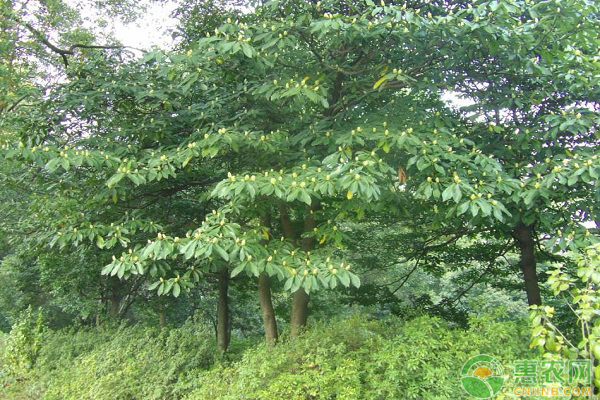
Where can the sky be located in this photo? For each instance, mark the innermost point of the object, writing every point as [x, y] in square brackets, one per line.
[152, 29]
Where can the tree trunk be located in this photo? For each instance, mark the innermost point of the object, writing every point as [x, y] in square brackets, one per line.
[100, 313]
[162, 316]
[223, 335]
[114, 305]
[524, 237]
[299, 312]
[266, 309]
[301, 298]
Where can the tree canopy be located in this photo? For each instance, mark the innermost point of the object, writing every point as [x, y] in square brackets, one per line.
[259, 148]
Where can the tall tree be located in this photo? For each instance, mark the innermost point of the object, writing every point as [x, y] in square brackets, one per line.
[310, 114]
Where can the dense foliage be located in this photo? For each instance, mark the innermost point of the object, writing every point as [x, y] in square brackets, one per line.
[288, 162]
[351, 359]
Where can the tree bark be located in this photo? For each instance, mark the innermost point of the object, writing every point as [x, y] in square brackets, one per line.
[300, 298]
[524, 237]
[223, 334]
[266, 309]
[100, 313]
[114, 305]
[299, 316]
[162, 316]
[264, 294]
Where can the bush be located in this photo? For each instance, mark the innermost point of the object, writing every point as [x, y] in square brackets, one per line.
[129, 363]
[357, 359]
[351, 359]
[20, 348]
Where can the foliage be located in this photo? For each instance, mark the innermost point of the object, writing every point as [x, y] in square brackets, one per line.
[353, 358]
[368, 360]
[312, 143]
[138, 362]
[21, 347]
[578, 289]
[353, 115]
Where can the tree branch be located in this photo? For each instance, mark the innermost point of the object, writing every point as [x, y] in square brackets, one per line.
[487, 269]
[63, 52]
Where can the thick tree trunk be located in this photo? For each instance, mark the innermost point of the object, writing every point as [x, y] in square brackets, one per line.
[223, 332]
[264, 295]
[524, 237]
[266, 309]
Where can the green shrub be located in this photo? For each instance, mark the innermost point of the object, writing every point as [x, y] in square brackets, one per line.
[357, 359]
[134, 363]
[21, 347]
[350, 359]
[128, 363]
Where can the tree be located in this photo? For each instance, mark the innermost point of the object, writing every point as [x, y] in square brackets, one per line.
[38, 41]
[301, 116]
[524, 158]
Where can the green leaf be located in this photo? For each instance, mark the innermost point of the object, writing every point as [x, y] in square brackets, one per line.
[52, 165]
[114, 179]
[288, 283]
[456, 193]
[448, 192]
[188, 249]
[462, 208]
[221, 252]
[304, 196]
[248, 50]
[355, 279]
[486, 208]
[473, 208]
[297, 283]
[121, 270]
[498, 214]
[293, 195]
[237, 270]
[168, 286]
[107, 269]
[344, 278]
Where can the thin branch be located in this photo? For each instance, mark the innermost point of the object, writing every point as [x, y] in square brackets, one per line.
[509, 244]
[11, 108]
[414, 268]
[452, 239]
[64, 52]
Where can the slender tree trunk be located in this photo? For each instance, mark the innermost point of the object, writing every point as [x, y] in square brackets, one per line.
[299, 316]
[162, 316]
[223, 335]
[264, 295]
[114, 304]
[99, 314]
[524, 237]
[300, 298]
[266, 309]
